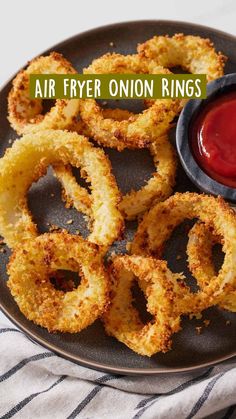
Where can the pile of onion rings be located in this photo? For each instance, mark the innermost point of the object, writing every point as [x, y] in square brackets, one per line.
[168, 297]
[58, 138]
[134, 203]
[158, 224]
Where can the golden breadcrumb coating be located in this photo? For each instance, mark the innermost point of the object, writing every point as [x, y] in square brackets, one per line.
[158, 187]
[28, 159]
[137, 131]
[36, 259]
[158, 224]
[199, 251]
[72, 193]
[134, 203]
[193, 53]
[122, 320]
[32, 265]
[25, 114]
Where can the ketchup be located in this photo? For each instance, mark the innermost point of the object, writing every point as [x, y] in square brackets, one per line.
[213, 139]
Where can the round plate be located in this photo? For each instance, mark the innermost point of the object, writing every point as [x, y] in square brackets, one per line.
[92, 347]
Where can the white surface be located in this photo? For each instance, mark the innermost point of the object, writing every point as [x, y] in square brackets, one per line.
[28, 27]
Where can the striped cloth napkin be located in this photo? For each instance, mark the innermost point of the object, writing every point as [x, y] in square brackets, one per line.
[36, 383]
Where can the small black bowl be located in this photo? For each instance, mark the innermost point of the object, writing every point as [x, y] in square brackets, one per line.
[217, 87]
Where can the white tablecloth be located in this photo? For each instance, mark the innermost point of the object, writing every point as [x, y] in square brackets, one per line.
[35, 383]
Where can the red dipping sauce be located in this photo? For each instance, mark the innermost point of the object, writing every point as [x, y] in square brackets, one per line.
[213, 139]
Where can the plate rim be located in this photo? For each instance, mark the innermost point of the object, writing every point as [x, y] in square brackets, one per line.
[107, 368]
[52, 347]
[113, 25]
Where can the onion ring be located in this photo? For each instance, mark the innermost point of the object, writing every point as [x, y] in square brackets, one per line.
[31, 267]
[122, 320]
[138, 131]
[134, 203]
[34, 153]
[73, 194]
[199, 251]
[193, 53]
[25, 114]
[159, 186]
[158, 224]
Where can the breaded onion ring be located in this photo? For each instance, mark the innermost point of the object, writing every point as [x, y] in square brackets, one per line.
[122, 320]
[108, 113]
[199, 251]
[25, 114]
[134, 203]
[27, 160]
[137, 131]
[193, 53]
[72, 193]
[158, 187]
[158, 224]
[31, 267]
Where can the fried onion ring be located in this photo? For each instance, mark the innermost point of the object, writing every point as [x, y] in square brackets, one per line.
[199, 251]
[25, 114]
[137, 131]
[134, 203]
[122, 320]
[193, 53]
[31, 267]
[73, 194]
[158, 187]
[27, 160]
[158, 224]
[108, 113]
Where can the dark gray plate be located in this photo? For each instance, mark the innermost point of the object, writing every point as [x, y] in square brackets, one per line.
[92, 347]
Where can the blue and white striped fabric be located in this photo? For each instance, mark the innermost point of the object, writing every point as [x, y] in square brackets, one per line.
[35, 383]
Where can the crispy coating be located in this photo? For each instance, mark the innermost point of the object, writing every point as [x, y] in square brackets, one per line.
[193, 53]
[158, 224]
[32, 265]
[25, 114]
[72, 193]
[27, 160]
[199, 251]
[122, 320]
[36, 259]
[108, 113]
[158, 187]
[137, 131]
[134, 203]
